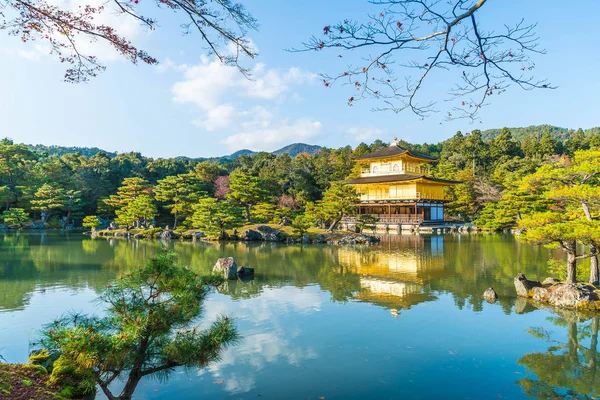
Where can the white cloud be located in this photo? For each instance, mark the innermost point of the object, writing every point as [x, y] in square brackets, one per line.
[364, 134]
[35, 54]
[224, 96]
[206, 83]
[275, 135]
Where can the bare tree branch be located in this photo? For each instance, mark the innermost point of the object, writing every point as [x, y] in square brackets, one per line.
[222, 24]
[410, 40]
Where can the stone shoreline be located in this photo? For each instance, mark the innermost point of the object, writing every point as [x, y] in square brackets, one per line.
[552, 292]
[259, 233]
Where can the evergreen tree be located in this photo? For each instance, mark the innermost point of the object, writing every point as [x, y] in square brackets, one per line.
[339, 201]
[214, 217]
[180, 192]
[149, 328]
[15, 217]
[92, 222]
[48, 198]
[246, 190]
[138, 212]
[129, 190]
[72, 205]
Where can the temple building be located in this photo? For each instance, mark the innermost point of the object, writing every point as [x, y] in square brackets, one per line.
[394, 187]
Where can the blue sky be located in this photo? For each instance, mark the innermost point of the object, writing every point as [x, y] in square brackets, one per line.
[189, 105]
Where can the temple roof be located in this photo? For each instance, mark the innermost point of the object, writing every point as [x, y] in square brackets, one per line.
[396, 178]
[395, 150]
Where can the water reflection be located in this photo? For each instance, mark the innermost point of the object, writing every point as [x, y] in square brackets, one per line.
[321, 314]
[568, 369]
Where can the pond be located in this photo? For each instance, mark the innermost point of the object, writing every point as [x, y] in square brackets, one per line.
[403, 319]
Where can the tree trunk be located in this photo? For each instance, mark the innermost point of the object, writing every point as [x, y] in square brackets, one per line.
[593, 249]
[130, 386]
[333, 225]
[67, 218]
[247, 207]
[594, 266]
[571, 267]
[175, 221]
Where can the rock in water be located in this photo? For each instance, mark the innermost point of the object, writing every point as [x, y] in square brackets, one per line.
[550, 281]
[523, 285]
[226, 267]
[490, 295]
[251, 236]
[165, 235]
[571, 295]
[245, 271]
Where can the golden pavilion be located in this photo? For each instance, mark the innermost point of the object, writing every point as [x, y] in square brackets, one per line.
[393, 186]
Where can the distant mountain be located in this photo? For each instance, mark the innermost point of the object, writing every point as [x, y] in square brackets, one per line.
[298, 148]
[557, 132]
[293, 150]
[62, 150]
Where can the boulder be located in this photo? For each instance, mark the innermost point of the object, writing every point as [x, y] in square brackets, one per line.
[571, 295]
[251, 236]
[198, 235]
[550, 281]
[541, 294]
[358, 239]
[165, 235]
[306, 239]
[523, 285]
[139, 236]
[270, 234]
[245, 271]
[226, 267]
[320, 239]
[490, 295]
[285, 221]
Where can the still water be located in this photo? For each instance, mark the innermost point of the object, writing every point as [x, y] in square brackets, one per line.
[403, 319]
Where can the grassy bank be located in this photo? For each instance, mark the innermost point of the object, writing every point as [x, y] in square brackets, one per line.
[26, 381]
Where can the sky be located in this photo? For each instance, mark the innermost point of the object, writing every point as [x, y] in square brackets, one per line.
[190, 105]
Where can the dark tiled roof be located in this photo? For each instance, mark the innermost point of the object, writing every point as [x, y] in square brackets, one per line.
[394, 151]
[395, 178]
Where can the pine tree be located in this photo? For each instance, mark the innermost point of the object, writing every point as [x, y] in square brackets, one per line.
[47, 199]
[214, 217]
[15, 217]
[180, 192]
[246, 190]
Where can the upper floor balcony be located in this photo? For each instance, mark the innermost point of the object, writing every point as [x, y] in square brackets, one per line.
[392, 170]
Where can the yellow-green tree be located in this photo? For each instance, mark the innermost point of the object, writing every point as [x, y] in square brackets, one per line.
[214, 217]
[573, 185]
[47, 199]
[180, 192]
[15, 217]
[246, 190]
[339, 201]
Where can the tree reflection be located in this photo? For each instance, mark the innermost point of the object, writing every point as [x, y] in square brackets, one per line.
[567, 369]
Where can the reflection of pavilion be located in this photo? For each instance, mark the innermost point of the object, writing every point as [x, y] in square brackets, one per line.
[396, 273]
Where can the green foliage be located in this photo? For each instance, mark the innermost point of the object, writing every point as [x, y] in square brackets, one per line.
[48, 198]
[246, 190]
[180, 192]
[366, 221]
[91, 221]
[15, 217]
[148, 330]
[138, 212]
[300, 225]
[214, 217]
[339, 201]
[74, 379]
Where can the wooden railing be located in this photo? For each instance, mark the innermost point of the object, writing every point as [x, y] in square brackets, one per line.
[391, 219]
[391, 171]
[414, 196]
